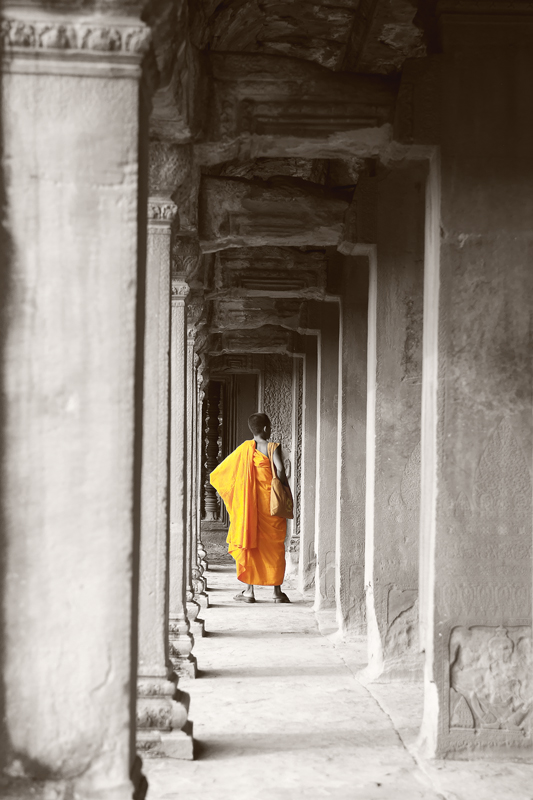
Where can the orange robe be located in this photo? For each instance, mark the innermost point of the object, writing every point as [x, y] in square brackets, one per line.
[255, 539]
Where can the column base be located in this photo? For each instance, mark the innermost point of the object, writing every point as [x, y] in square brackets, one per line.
[167, 744]
[195, 622]
[181, 643]
[163, 727]
[199, 584]
[202, 598]
[202, 556]
[197, 625]
[184, 666]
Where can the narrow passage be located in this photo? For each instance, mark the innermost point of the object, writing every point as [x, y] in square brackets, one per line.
[278, 715]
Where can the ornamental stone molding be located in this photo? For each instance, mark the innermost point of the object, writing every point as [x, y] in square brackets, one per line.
[71, 36]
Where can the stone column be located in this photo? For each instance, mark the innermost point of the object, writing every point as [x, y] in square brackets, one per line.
[72, 271]
[200, 450]
[351, 465]
[162, 726]
[326, 455]
[193, 605]
[393, 441]
[476, 516]
[212, 427]
[198, 577]
[307, 561]
[181, 639]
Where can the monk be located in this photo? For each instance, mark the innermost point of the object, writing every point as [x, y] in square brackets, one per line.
[256, 540]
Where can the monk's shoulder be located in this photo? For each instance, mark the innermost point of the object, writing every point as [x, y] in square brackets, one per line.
[247, 445]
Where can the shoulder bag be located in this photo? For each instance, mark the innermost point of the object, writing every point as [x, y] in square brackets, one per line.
[281, 502]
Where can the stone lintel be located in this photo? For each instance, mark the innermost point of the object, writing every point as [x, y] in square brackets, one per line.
[274, 272]
[268, 339]
[268, 95]
[365, 142]
[237, 213]
[249, 314]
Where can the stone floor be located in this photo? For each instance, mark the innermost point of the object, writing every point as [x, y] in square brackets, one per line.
[280, 714]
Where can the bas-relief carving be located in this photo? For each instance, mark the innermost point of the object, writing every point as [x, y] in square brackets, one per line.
[490, 678]
[277, 400]
[326, 568]
[404, 504]
[186, 256]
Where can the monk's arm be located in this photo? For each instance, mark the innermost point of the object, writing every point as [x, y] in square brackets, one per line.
[280, 469]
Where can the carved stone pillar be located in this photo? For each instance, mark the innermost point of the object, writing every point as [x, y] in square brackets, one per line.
[393, 427]
[350, 561]
[162, 727]
[326, 457]
[477, 390]
[181, 639]
[211, 501]
[200, 466]
[69, 474]
[198, 578]
[307, 560]
[193, 605]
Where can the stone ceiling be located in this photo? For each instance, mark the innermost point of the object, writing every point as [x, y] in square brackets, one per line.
[351, 35]
[268, 113]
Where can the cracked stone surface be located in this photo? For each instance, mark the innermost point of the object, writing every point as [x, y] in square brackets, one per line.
[280, 714]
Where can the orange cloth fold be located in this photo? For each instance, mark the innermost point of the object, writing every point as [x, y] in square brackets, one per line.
[255, 539]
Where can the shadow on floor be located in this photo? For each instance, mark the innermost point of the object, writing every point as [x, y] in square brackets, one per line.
[259, 634]
[248, 672]
[253, 744]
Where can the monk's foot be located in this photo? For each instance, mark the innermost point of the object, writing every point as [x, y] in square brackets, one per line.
[245, 597]
[280, 597]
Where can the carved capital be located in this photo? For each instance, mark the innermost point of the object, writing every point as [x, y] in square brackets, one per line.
[74, 36]
[161, 212]
[180, 289]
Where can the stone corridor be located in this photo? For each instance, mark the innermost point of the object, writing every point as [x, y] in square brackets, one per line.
[282, 713]
[319, 210]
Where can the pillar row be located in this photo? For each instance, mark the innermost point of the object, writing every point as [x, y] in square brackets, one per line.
[181, 639]
[162, 710]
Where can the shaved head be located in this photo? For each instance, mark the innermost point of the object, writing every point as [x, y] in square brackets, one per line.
[258, 422]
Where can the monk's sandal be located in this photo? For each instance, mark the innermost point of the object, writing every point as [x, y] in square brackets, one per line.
[241, 597]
